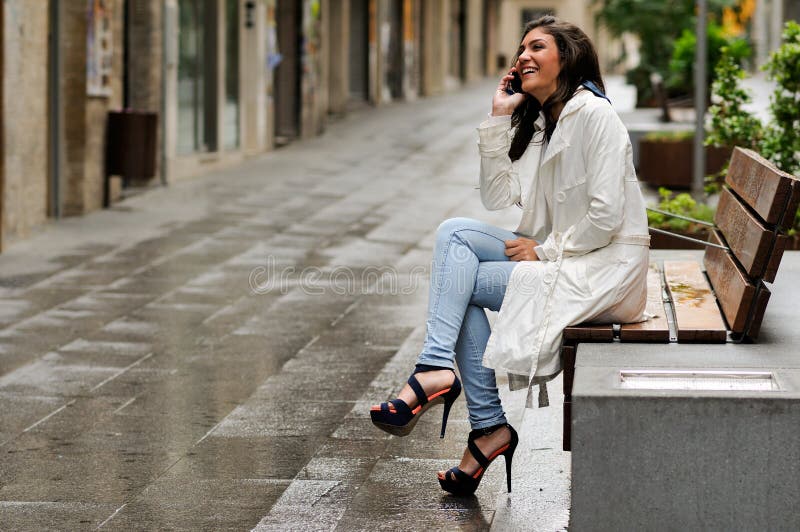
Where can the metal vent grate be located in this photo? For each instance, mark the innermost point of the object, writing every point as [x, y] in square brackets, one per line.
[699, 380]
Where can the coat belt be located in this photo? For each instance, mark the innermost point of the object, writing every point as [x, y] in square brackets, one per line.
[636, 240]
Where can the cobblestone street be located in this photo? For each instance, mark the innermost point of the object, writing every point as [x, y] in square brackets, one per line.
[202, 357]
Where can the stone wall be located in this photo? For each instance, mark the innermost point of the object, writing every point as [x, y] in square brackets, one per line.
[85, 116]
[25, 187]
[145, 61]
[144, 56]
[434, 47]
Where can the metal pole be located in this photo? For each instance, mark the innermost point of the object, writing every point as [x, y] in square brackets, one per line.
[700, 97]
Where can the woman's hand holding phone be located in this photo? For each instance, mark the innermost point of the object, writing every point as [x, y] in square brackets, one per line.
[508, 94]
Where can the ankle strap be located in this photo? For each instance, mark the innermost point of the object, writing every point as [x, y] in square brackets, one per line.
[422, 399]
[422, 368]
[477, 454]
[485, 431]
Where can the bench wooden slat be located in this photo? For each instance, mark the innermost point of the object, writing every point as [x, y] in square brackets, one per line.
[781, 243]
[733, 288]
[771, 193]
[568, 362]
[749, 240]
[758, 313]
[590, 333]
[697, 317]
[655, 329]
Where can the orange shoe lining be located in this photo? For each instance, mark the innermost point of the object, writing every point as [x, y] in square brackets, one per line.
[494, 455]
[416, 409]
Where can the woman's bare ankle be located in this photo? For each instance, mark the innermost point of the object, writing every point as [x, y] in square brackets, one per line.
[488, 445]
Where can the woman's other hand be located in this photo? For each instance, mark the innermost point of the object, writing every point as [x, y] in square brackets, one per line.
[521, 249]
[503, 104]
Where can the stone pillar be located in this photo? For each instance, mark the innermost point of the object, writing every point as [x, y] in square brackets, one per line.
[434, 46]
[776, 25]
[253, 76]
[169, 74]
[219, 73]
[271, 41]
[145, 45]
[492, 36]
[475, 44]
[313, 83]
[338, 29]
[375, 65]
[85, 116]
[24, 159]
[411, 48]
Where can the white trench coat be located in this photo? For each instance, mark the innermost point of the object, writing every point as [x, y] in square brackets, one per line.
[581, 201]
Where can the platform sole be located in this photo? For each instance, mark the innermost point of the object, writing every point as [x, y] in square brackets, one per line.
[405, 430]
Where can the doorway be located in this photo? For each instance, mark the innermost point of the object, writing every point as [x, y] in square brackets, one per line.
[197, 76]
[359, 51]
[287, 74]
[395, 57]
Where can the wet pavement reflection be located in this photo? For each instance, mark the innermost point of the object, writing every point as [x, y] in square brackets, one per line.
[150, 383]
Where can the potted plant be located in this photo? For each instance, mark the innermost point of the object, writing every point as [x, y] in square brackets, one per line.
[676, 149]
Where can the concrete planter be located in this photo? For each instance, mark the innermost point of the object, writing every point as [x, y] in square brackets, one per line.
[668, 163]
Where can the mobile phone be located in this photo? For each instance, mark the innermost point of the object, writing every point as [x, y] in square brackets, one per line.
[515, 85]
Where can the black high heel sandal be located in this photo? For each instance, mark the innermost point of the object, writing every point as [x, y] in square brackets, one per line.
[397, 418]
[457, 482]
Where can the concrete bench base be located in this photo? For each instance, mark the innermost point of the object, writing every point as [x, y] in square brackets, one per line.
[684, 461]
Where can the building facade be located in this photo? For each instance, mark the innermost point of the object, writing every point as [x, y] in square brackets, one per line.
[222, 80]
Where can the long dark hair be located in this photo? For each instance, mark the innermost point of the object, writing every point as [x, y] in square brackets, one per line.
[579, 63]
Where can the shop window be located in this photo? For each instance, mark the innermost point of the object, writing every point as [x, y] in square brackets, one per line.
[197, 131]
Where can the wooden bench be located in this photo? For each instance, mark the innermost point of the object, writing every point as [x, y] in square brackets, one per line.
[724, 298]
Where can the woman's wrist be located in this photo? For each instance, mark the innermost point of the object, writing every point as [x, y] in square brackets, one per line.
[501, 112]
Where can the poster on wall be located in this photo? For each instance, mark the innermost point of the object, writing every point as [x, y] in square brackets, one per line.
[274, 56]
[99, 48]
[310, 50]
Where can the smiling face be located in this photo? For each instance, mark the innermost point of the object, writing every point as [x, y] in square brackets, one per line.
[538, 64]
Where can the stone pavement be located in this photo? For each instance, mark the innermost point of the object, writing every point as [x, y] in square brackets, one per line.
[203, 356]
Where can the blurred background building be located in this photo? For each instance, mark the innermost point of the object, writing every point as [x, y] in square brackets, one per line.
[161, 90]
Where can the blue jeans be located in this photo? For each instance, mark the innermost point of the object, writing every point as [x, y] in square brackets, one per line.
[470, 272]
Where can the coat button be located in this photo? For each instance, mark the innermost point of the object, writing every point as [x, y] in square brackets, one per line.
[561, 196]
[548, 278]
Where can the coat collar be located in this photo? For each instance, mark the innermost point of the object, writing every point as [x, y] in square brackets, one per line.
[559, 142]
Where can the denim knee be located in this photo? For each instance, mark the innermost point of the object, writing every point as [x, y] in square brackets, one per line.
[452, 225]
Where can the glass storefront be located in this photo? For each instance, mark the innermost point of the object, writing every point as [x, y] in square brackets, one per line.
[191, 73]
[198, 75]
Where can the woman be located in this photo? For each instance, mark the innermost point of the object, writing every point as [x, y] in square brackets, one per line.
[558, 150]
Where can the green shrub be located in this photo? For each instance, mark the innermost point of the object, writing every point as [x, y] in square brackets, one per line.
[682, 204]
[781, 143]
[731, 125]
[657, 24]
[681, 66]
[669, 136]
